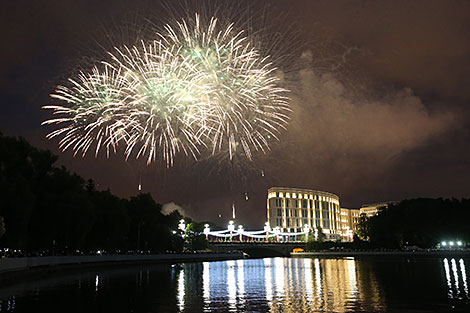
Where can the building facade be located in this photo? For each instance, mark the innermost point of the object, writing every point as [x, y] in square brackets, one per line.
[373, 209]
[349, 220]
[291, 209]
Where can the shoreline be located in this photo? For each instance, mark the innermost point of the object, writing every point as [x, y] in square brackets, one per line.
[10, 267]
[424, 253]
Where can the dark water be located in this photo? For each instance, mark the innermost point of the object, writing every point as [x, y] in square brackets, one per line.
[261, 285]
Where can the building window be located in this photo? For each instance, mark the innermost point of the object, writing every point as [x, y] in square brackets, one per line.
[304, 203]
[279, 212]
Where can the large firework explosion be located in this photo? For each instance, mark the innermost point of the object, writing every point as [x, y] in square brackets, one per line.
[200, 84]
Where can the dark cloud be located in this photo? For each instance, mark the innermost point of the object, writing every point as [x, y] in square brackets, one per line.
[380, 103]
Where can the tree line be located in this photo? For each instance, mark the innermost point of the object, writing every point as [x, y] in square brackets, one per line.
[44, 207]
[420, 222]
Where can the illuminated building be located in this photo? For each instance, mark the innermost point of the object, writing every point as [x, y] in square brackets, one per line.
[373, 209]
[349, 220]
[291, 209]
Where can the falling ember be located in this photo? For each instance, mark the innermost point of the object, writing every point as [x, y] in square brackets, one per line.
[233, 210]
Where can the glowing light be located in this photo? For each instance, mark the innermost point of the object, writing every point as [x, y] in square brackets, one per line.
[267, 228]
[241, 281]
[182, 225]
[351, 263]
[240, 231]
[318, 283]
[307, 268]
[231, 286]
[268, 281]
[206, 293]
[201, 84]
[97, 281]
[181, 291]
[279, 276]
[450, 292]
[456, 275]
[464, 276]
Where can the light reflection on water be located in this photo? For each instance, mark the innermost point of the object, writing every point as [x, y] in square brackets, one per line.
[453, 281]
[258, 285]
[206, 294]
[181, 291]
[279, 285]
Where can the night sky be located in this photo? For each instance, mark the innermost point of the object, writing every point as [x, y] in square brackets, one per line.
[380, 103]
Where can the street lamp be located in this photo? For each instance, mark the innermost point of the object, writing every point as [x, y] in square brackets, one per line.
[306, 231]
[231, 228]
[240, 231]
[276, 232]
[182, 227]
[207, 230]
[267, 229]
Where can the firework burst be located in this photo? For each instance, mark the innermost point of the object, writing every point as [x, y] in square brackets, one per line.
[199, 84]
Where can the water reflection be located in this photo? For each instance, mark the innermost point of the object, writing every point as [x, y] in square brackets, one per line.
[206, 293]
[180, 290]
[259, 285]
[268, 280]
[8, 305]
[97, 281]
[288, 285]
[231, 286]
[464, 277]
[308, 280]
[241, 281]
[453, 281]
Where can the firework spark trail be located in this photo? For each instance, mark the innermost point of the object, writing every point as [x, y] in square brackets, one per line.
[100, 96]
[162, 113]
[197, 85]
